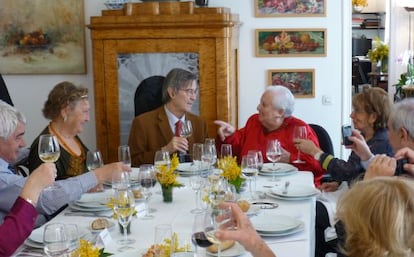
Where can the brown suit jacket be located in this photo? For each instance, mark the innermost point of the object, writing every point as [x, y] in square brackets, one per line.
[150, 131]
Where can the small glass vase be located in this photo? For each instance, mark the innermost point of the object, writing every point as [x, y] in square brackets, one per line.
[167, 194]
[121, 228]
[384, 65]
[357, 8]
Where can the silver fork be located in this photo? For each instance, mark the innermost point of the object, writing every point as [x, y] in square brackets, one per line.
[285, 190]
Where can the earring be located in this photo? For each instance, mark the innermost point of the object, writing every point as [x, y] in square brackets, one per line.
[65, 118]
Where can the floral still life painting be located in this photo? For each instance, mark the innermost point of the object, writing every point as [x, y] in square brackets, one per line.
[290, 8]
[300, 82]
[42, 37]
[289, 43]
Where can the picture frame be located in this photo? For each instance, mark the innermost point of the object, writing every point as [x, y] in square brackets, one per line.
[42, 37]
[301, 82]
[309, 42]
[290, 8]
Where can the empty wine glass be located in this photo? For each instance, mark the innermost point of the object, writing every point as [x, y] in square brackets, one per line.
[198, 150]
[249, 169]
[55, 240]
[197, 182]
[299, 132]
[94, 160]
[121, 179]
[226, 150]
[147, 179]
[124, 207]
[49, 151]
[215, 219]
[209, 155]
[72, 234]
[273, 154]
[186, 129]
[124, 155]
[162, 158]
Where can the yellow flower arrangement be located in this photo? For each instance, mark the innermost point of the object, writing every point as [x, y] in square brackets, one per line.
[164, 249]
[166, 175]
[87, 249]
[379, 52]
[231, 171]
[359, 2]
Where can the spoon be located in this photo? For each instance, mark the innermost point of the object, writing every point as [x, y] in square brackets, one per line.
[285, 191]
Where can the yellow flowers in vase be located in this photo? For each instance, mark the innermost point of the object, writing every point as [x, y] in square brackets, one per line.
[231, 171]
[379, 53]
[168, 178]
[359, 3]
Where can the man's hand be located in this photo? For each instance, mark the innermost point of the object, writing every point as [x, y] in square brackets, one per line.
[224, 130]
[177, 144]
[406, 153]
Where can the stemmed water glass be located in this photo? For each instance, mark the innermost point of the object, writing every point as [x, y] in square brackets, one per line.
[249, 169]
[226, 150]
[55, 240]
[215, 219]
[299, 132]
[93, 160]
[197, 183]
[124, 155]
[147, 179]
[209, 154]
[124, 207]
[120, 180]
[273, 154]
[199, 238]
[49, 151]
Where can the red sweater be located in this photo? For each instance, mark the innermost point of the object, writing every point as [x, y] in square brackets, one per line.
[254, 137]
[17, 226]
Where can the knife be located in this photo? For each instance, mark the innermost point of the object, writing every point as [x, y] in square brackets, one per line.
[88, 214]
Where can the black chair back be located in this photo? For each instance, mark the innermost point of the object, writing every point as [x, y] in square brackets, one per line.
[148, 95]
[4, 92]
[325, 141]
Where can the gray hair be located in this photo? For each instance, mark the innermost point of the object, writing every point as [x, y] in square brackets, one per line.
[282, 99]
[402, 116]
[176, 79]
[9, 119]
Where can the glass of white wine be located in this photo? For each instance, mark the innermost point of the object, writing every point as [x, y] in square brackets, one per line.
[49, 150]
[186, 129]
[217, 219]
[124, 207]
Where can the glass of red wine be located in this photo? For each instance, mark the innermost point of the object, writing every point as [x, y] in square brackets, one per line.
[147, 179]
[199, 238]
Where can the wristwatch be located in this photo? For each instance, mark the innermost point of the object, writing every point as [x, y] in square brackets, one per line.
[317, 155]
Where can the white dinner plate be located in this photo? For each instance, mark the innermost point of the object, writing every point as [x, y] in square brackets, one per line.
[37, 234]
[76, 207]
[274, 223]
[189, 167]
[33, 244]
[278, 168]
[236, 250]
[278, 174]
[295, 190]
[269, 194]
[298, 229]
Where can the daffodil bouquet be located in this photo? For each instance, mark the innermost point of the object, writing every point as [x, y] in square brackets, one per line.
[231, 171]
[87, 249]
[379, 52]
[166, 174]
[360, 2]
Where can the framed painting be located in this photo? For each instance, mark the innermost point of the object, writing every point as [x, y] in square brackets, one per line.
[301, 82]
[290, 8]
[42, 37]
[290, 42]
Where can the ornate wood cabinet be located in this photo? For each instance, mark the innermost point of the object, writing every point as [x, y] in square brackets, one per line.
[165, 27]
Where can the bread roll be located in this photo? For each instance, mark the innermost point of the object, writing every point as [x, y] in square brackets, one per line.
[244, 205]
[224, 245]
[99, 224]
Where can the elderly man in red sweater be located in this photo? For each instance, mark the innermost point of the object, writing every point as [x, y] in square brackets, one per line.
[274, 120]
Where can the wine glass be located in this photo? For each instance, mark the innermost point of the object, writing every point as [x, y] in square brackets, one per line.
[218, 191]
[186, 129]
[199, 238]
[94, 160]
[162, 158]
[197, 182]
[273, 154]
[49, 151]
[121, 180]
[124, 207]
[72, 234]
[259, 157]
[249, 169]
[215, 219]
[209, 155]
[147, 179]
[299, 132]
[198, 150]
[55, 240]
[124, 155]
[226, 150]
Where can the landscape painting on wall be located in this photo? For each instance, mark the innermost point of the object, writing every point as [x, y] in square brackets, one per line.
[301, 82]
[289, 8]
[290, 42]
[42, 37]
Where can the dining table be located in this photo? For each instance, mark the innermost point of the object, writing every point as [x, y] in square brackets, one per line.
[178, 214]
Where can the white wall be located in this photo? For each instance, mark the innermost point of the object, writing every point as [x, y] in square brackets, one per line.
[332, 72]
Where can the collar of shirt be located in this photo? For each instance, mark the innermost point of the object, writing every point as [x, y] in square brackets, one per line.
[4, 167]
[172, 119]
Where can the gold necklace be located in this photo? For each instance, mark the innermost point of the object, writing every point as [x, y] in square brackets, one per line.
[60, 139]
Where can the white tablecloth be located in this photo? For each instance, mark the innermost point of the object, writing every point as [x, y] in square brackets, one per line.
[178, 215]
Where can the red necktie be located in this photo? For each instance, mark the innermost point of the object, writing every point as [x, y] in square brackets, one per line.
[178, 127]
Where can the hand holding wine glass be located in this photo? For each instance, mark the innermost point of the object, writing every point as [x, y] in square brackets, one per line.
[49, 150]
[299, 132]
[186, 129]
[217, 219]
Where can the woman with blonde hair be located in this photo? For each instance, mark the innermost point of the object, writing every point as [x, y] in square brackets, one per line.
[378, 217]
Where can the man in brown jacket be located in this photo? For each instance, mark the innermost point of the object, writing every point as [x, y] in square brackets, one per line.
[156, 130]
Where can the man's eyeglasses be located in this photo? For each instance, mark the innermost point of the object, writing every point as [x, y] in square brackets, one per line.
[190, 91]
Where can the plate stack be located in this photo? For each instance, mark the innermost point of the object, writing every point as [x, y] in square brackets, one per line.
[276, 225]
[189, 169]
[35, 239]
[278, 169]
[295, 192]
